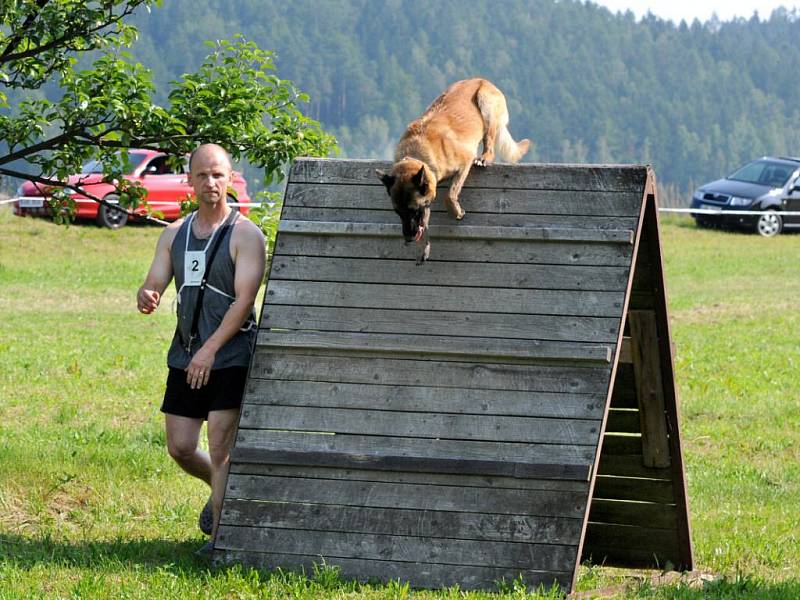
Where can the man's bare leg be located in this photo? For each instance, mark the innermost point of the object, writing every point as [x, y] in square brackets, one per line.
[183, 433]
[221, 433]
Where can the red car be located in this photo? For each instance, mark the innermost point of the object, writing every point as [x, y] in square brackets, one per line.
[166, 188]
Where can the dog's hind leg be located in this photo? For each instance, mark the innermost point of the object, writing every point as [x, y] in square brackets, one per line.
[493, 110]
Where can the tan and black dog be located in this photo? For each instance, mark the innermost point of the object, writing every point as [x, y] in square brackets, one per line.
[443, 143]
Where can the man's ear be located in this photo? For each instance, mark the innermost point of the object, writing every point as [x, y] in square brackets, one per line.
[387, 180]
[420, 181]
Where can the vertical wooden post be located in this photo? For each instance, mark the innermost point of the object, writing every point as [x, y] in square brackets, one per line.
[649, 387]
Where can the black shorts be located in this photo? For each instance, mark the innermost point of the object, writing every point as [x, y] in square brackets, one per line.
[224, 390]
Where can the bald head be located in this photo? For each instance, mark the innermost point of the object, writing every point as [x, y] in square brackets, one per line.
[210, 174]
[210, 151]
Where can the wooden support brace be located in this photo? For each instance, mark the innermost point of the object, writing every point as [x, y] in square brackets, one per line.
[649, 388]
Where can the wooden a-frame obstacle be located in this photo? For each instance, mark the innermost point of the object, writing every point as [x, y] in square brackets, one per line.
[507, 409]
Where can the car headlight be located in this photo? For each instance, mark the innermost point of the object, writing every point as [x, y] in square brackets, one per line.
[20, 190]
[698, 195]
[739, 201]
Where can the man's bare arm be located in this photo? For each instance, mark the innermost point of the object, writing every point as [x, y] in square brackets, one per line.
[158, 277]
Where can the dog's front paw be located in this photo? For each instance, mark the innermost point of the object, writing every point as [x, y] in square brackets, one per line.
[479, 162]
[426, 253]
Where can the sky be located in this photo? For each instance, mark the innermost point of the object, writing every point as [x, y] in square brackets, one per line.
[676, 10]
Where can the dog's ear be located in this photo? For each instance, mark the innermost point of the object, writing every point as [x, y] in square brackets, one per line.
[386, 179]
[421, 182]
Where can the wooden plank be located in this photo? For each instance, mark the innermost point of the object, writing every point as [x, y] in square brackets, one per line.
[452, 274]
[344, 369]
[438, 323]
[623, 465]
[649, 388]
[454, 498]
[472, 299]
[625, 355]
[322, 474]
[624, 393]
[527, 251]
[421, 425]
[642, 300]
[388, 460]
[545, 557]
[509, 459]
[639, 514]
[435, 347]
[597, 203]
[423, 399]
[417, 574]
[614, 443]
[614, 555]
[643, 277]
[617, 555]
[405, 522]
[620, 178]
[437, 220]
[631, 489]
[554, 230]
[623, 421]
[633, 538]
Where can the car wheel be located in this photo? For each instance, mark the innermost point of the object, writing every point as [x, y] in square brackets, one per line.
[769, 224]
[108, 216]
[703, 224]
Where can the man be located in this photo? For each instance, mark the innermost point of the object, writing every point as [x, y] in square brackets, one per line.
[217, 259]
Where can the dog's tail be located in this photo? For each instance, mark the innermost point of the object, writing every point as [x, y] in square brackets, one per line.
[510, 150]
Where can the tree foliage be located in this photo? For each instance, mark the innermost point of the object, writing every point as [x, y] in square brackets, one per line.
[695, 99]
[234, 98]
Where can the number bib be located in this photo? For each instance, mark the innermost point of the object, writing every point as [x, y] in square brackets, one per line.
[194, 267]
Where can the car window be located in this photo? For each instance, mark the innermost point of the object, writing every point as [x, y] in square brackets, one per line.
[763, 172]
[159, 166]
[95, 166]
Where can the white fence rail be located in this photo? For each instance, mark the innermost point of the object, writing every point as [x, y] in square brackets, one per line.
[690, 211]
[716, 211]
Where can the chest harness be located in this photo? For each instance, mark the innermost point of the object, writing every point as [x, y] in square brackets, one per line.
[196, 271]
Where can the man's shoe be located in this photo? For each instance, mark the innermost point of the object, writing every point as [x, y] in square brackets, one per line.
[206, 519]
[205, 550]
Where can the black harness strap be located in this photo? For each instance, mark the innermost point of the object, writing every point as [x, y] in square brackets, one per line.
[201, 292]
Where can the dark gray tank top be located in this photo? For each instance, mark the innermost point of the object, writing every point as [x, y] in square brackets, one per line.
[217, 298]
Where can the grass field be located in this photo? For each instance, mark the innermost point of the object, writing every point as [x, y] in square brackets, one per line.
[91, 506]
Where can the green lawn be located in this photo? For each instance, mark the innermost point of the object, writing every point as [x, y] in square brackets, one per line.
[91, 506]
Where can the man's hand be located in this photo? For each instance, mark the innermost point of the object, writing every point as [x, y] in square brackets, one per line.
[147, 300]
[199, 369]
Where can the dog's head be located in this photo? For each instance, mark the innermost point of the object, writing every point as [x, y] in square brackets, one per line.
[412, 188]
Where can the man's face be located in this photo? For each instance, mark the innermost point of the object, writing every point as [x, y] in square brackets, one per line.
[210, 176]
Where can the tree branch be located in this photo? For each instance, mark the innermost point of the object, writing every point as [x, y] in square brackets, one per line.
[14, 39]
[80, 189]
[64, 40]
[45, 145]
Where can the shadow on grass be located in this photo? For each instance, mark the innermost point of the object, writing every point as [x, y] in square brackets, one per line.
[179, 557]
[150, 554]
[173, 557]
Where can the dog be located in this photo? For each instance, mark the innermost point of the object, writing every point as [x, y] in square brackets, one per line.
[443, 143]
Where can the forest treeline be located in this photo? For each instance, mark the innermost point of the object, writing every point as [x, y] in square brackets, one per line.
[586, 85]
